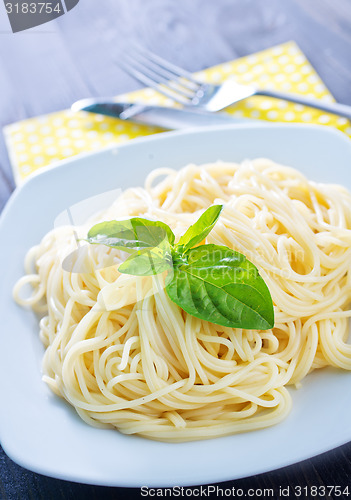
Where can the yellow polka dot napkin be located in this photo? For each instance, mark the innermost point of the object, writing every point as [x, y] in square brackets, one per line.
[37, 142]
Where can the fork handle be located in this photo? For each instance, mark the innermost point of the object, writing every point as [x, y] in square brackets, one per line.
[335, 108]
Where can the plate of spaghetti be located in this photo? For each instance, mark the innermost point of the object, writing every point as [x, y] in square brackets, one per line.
[175, 311]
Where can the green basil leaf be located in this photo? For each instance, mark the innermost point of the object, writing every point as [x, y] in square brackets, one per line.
[149, 261]
[200, 229]
[220, 285]
[130, 235]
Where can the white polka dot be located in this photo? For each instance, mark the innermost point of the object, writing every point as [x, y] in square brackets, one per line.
[124, 137]
[42, 119]
[89, 124]
[252, 59]
[96, 144]
[135, 128]
[33, 138]
[73, 123]
[38, 160]
[76, 133]
[348, 130]
[35, 149]
[282, 104]
[84, 114]
[103, 126]
[267, 59]
[20, 146]
[227, 68]
[201, 75]
[45, 130]
[273, 68]
[30, 128]
[26, 169]
[290, 68]
[99, 118]
[247, 77]
[23, 157]
[51, 151]
[258, 68]
[120, 126]
[293, 50]
[108, 136]
[324, 119]
[18, 137]
[313, 79]
[286, 86]
[64, 142]
[69, 113]
[298, 107]
[272, 115]
[279, 78]
[289, 116]
[216, 76]
[266, 104]
[303, 87]
[67, 152]
[238, 113]
[92, 133]
[249, 104]
[57, 122]
[327, 98]
[300, 59]
[277, 50]
[263, 78]
[341, 121]
[80, 143]
[283, 59]
[306, 69]
[295, 77]
[306, 117]
[48, 140]
[255, 113]
[319, 88]
[61, 132]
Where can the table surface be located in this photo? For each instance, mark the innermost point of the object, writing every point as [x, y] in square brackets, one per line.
[47, 68]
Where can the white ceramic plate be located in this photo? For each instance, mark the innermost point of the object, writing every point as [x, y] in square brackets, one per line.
[43, 433]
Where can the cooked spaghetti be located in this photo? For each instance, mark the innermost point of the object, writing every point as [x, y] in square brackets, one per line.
[124, 355]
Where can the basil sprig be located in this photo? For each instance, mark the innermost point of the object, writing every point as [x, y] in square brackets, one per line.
[211, 282]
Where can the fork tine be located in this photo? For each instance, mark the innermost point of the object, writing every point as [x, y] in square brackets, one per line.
[174, 69]
[156, 78]
[159, 65]
[129, 67]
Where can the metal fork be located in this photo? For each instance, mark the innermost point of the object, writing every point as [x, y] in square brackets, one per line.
[181, 86]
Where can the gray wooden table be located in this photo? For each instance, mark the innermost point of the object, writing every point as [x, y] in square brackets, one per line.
[76, 56]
